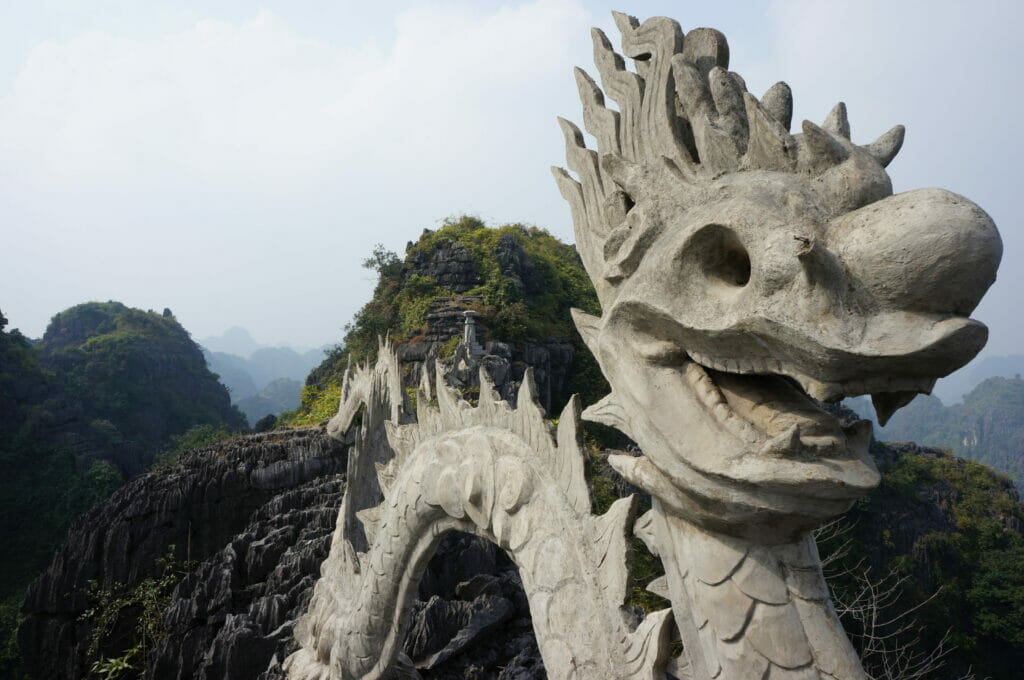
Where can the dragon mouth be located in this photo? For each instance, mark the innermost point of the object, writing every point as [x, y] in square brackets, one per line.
[774, 413]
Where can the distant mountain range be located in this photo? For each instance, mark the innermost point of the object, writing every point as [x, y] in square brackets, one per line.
[988, 426]
[952, 389]
[262, 380]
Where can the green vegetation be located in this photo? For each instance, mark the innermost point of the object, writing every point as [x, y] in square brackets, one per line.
[104, 391]
[317, 405]
[143, 605]
[196, 437]
[511, 311]
[962, 570]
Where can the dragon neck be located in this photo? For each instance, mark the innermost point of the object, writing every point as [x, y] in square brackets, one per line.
[751, 610]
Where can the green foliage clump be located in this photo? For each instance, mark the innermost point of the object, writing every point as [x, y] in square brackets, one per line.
[447, 350]
[316, 405]
[513, 315]
[196, 437]
[143, 605]
[403, 295]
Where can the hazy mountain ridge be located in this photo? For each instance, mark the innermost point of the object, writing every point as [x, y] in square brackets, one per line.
[261, 380]
[952, 389]
[988, 426]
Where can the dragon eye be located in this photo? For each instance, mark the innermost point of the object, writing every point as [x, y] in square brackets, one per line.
[718, 253]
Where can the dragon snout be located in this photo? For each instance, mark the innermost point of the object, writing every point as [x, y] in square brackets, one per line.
[928, 251]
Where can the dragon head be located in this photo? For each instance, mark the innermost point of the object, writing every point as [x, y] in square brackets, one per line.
[746, 274]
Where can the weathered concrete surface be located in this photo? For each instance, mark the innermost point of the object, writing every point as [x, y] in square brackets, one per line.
[742, 268]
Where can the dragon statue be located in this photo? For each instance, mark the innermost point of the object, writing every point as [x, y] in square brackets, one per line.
[745, 274]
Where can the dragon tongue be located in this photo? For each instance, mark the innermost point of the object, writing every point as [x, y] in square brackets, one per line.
[887, 403]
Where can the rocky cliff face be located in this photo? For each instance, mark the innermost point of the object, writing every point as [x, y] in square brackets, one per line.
[199, 507]
[257, 514]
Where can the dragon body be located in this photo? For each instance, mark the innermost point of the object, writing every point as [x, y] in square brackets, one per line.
[745, 274]
[495, 472]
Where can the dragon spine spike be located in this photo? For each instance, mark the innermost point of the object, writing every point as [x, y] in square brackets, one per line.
[649, 647]
[488, 392]
[611, 538]
[608, 412]
[589, 327]
[643, 529]
[370, 517]
[569, 459]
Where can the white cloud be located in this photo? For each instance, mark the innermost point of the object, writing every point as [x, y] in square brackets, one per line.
[246, 151]
[257, 103]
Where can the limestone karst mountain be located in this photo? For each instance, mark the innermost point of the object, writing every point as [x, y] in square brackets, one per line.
[89, 405]
[519, 281]
[988, 426]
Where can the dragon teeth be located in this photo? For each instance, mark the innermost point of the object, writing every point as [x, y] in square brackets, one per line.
[784, 444]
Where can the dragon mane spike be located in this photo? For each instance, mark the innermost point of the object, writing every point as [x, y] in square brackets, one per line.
[836, 122]
[624, 87]
[778, 101]
[820, 149]
[885, 148]
[599, 120]
[706, 48]
[728, 97]
[770, 147]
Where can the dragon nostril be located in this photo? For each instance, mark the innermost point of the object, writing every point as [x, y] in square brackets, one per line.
[732, 266]
[718, 255]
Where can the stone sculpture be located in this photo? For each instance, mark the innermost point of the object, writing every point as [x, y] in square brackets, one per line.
[744, 272]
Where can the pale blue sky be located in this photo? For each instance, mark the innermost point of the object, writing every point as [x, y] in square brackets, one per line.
[235, 161]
